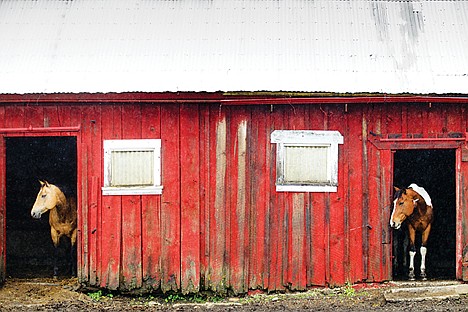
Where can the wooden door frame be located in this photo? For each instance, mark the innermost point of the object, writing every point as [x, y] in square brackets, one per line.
[35, 132]
[459, 144]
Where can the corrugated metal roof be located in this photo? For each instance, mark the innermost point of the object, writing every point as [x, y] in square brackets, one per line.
[54, 46]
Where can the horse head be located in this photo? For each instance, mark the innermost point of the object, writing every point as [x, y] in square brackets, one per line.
[404, 204]
[46, 200]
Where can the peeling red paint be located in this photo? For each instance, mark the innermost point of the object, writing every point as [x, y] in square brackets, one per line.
[220, 224]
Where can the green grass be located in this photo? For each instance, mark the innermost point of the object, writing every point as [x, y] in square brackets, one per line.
[192, 298]
[349, 291]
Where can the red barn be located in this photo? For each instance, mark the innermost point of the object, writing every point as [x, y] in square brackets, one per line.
[233, 145]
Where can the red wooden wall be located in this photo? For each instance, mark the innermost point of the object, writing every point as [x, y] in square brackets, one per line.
[219, 223]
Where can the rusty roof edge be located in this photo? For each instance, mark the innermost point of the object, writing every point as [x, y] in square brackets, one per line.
[231, 98]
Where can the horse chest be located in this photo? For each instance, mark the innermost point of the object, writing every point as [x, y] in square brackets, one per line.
[62, 228]
[420, 222]
[418, 225]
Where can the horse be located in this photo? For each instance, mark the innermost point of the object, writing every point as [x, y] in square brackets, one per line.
[414, 206]
[62, 218]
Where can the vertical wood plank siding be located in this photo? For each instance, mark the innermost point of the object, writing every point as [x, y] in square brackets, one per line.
[219, 223]
[2, 199]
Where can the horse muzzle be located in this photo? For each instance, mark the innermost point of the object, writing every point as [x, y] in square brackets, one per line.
[395, 225]
[36, 215]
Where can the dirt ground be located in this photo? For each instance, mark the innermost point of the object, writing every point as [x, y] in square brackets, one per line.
[43, 294]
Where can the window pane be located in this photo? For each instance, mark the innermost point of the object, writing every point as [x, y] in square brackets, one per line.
[132, 168]
[306, 164]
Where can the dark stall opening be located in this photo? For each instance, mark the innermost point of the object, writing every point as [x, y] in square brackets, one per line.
[29, 248]
[435, 171]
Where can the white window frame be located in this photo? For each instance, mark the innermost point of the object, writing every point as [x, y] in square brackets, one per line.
[285, 138]
[132, 145]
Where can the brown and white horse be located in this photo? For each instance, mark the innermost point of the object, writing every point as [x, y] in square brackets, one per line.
[414, 206]
[62, 218]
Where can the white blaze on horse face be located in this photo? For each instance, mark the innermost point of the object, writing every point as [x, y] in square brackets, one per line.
[392, 223]
[393, 211]
[44, 202]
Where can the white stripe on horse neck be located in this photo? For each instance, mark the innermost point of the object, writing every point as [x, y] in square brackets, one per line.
[421, 191]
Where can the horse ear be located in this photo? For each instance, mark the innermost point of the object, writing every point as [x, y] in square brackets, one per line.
[399, 189]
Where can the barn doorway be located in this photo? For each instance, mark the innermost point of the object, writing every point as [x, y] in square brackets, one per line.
[433, 169]
[29, 249]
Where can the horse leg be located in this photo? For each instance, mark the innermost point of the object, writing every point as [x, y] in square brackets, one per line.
[405, 247]
[423, 263]
[400, 251]
[71, 259]
[395, 249]
[425, 237]
[55, 239]
[412, 252]
[411, 275]
[73, 253]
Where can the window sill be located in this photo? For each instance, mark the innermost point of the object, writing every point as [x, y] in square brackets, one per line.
[306, 188]
[151, 190]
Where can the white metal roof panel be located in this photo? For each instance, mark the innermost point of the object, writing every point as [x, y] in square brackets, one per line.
[388, 46]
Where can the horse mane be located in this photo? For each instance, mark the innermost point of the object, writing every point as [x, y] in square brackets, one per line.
[399, 193]
[421, 192]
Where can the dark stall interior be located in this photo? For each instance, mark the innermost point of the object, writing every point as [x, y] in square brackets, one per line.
[435, 171]
[29, 159]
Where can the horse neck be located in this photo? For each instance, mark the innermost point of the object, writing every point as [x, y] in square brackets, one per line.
[421, 206]
[61, 207]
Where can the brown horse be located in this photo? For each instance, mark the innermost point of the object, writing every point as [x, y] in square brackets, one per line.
[414, 205]
[62, 218]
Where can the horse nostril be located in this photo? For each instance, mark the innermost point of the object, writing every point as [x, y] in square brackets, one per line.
[395, 225]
